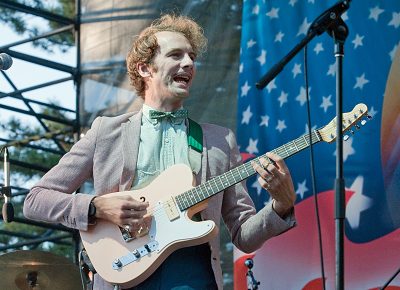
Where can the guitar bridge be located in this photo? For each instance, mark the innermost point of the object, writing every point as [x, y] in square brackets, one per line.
[135, 255]
[128, 236]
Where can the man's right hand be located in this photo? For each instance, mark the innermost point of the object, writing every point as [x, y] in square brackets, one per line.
[122, 210]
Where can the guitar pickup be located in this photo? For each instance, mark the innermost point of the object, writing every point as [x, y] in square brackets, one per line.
[135, 255]
[171, 209]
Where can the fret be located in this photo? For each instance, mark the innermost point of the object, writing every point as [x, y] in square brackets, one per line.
[215, 183]
[208, 188]
[300, 143]
[189, 196]
[202, 188]
[305, 140]
[178, 201]
[196, 196]
[235, 175]
[295, 145]
[287, 152]
[224, 184]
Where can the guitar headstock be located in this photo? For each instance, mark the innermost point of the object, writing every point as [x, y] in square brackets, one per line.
[328, 133]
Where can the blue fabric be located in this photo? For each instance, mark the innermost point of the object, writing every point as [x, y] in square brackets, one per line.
[185, 269]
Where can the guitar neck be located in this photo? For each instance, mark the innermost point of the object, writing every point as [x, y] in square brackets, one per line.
[219, 183]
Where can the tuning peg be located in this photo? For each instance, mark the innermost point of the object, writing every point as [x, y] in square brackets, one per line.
[352, 132]
[369, 117]
[357, 126]
[346, 137]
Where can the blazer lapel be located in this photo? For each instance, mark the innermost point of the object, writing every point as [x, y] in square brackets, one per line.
[130, 149]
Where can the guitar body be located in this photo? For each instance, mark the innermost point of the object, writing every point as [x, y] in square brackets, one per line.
[128, 262]
[104, 242]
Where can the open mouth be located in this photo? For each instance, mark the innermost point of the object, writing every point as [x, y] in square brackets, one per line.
[182, 78]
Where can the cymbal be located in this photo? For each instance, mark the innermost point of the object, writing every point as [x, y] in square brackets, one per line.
[37, 270]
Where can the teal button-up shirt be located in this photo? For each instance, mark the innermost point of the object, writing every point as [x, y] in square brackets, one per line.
[162, 144]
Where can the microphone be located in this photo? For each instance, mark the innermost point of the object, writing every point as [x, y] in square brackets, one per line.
[8, 209]
[5, 61]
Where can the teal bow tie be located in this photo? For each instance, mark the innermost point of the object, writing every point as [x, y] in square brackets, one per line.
[179, 114]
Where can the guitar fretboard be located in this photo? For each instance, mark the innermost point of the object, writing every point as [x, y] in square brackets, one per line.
[217, 184]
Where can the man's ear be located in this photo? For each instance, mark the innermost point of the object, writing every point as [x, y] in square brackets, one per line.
[143, 69]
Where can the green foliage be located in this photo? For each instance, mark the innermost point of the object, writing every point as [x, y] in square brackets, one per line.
[15, 129]
[21, 24]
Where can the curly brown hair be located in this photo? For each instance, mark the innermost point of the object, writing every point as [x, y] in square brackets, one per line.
[145, 45]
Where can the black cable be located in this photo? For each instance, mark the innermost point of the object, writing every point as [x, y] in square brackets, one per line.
[390, 280]
[312, 170]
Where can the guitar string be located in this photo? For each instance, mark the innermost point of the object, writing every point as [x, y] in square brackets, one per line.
[154, 212]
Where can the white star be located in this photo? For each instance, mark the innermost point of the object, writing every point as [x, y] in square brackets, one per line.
[331, 70]
[357, 203]
[282, 98]
[279, 36]
[326, 103]
[303, 27]
[306, 132]
[372, 112]
[292, 2]
[264, 121]
[257, 185]
[273, 13]
[393, 51]
[301, 189]
[245, 89]
[375, 12]
[360, 82]
[318, 48]
[251, 43]
[252, 148]
[296, 69]
[345, 17]
[395, 20]
[281, 126]
[241, 67]
[246, 115]
[256, 10]
[302, 98]
[347, 149]
[358, 41]
[271, 86]
[262, 57]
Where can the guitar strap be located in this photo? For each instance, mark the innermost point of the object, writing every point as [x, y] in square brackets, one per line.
[195, 142]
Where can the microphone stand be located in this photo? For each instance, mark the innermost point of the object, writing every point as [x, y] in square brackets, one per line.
[252, 283]
[8, 210]
[331, 22]
[339, 33]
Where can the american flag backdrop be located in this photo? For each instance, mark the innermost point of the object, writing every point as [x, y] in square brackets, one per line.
[277, 115]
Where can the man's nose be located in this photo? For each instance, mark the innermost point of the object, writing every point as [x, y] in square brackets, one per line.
[187, 61]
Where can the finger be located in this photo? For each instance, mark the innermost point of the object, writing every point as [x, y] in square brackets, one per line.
[261, 171]
[279, 162]
[135, 205]
[136, 214]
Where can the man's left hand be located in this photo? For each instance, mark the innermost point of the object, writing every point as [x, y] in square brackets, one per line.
[274, 176]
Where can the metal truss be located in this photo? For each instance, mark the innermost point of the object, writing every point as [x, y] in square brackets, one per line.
[52, 233]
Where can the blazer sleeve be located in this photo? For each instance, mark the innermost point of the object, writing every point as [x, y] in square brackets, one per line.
[249, 230]
[53, 198]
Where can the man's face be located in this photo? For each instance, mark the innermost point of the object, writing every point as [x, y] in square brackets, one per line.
[172, 69]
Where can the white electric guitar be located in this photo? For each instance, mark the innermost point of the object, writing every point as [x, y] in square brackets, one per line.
[127, 260]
